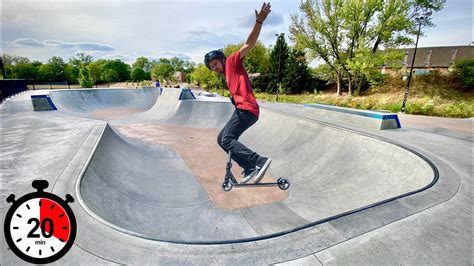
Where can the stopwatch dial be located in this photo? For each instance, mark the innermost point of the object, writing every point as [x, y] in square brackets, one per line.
[40, 227]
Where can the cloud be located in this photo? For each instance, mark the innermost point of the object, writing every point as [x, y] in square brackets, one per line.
[84, 46]
[123, 57]
[89, 46]
[273, 19]
[58, 44]
[171, 54]
[28, 42]
[203, 38]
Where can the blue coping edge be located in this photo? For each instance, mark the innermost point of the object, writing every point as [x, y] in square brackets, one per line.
[47, 98]
[355, 112]
[183, 91]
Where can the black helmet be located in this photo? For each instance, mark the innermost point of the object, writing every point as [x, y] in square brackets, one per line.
[213, 55]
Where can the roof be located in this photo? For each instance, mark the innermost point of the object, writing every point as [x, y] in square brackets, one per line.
[438, 56]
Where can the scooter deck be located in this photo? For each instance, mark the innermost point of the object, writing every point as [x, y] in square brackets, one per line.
[255, 184]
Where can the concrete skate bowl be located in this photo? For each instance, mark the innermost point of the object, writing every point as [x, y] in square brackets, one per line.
[152, 190]
[104, 104]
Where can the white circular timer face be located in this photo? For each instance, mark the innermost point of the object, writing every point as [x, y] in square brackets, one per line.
[40, 228]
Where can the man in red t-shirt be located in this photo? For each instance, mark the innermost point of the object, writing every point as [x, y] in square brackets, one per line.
[246, 107]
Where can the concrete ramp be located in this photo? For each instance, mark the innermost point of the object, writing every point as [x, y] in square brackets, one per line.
[149, 179]
[165, 106]
[105, 104]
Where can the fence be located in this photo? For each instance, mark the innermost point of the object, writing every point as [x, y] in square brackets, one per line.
[11, 87]
[55, 85]
[32, 84]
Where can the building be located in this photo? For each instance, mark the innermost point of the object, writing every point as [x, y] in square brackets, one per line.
[428, 59]
[180, 76]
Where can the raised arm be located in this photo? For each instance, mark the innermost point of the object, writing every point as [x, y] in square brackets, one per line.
[253, 37]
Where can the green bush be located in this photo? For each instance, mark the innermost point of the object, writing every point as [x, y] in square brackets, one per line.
[414, 108]
[427, 108]
[461, 110]
[393, 107]
[465, 71]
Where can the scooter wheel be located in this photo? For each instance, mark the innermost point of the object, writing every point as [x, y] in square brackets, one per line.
[283, 183]
[227, 186]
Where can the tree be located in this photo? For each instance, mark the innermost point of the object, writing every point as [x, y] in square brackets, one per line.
[138, 75]
[109, 75]
[95, 70]
[57, 65]
[82, 59]
[73, 69]
[201, 75]
[45, 73]
[465, 71]
[206, 79]
[318, 31]
[278, 58]
[188, 69]
[177, 63]
[84, 80]
[417, 6]
[163, 70]
[349, 34]
[122, 69]
[11, 60]
[72, 73]
[8, 71]
[144, 64]
[25, 71]
[297, 77]
[2, 67]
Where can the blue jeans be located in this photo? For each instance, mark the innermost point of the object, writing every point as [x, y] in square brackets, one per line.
[240, 121]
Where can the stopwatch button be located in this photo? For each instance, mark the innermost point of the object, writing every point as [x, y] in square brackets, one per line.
[40, 185]
[11, 198]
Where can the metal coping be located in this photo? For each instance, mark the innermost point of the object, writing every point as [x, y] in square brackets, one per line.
[273, 235]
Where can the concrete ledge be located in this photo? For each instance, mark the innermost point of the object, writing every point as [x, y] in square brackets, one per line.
[365, 118]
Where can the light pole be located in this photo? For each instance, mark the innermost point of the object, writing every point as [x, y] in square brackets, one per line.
[419, 18]
[279, 63]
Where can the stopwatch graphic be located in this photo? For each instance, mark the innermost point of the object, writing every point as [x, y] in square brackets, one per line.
[40, 227]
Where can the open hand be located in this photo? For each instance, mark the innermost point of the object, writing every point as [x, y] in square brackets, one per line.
[262, 15]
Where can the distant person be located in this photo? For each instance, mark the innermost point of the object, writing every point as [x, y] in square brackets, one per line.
[157, 84]
[246, 107]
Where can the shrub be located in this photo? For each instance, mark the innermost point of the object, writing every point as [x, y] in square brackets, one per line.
[465, 71]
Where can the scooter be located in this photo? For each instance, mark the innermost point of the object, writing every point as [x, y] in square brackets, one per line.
[230, 181]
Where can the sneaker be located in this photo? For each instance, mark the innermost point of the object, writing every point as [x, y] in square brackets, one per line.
[247, 174]
[261, 168]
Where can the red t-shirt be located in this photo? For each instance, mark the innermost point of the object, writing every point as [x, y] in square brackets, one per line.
[238, 84]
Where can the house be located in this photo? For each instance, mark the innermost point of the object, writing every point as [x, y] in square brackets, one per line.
[428, 59]
[180, 76]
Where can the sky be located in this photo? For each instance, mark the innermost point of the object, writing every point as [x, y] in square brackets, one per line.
[127, 29]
